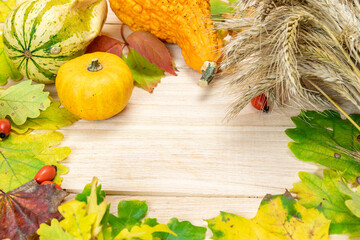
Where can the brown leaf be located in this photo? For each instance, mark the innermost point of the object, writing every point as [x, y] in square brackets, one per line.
[104, 43]
[152, 49]
[23, 209]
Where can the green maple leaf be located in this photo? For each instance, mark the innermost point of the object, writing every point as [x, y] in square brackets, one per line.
[146, 75]
[23, 101]
[23, 155]
[51, 118]
[6, 6]
[327, 195]
[279, 218]
[7, 68]
[326, 139]
[129, 214]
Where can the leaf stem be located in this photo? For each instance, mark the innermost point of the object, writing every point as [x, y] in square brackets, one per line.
[337, 106]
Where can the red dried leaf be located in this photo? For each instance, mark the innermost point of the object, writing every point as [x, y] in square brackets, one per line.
[23, 209]
[104, 43]
[152, 49]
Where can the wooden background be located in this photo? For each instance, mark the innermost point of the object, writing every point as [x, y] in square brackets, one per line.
[173, 149]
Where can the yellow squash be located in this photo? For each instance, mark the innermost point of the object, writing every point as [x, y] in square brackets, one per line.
[94, 86]
[184, 22]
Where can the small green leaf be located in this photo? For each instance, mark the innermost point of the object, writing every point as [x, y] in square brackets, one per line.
[325, 138]
[86, 193]
[183, 230]
[326, 195]
[218, 7]
[54, 231]
[7, 69]
[129, 214]
[23, 155]
[51, 118]
[23, 101]
[145, 74]
[142, 232]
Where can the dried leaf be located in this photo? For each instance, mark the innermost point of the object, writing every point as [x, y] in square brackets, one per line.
[326, 195]
[23, 209]
[52, 118]
[325, 138]
[279, 217]
[104, 43]
[152, 49]
[23, 101]
[23, 155]
[7, 68]
[145, 74]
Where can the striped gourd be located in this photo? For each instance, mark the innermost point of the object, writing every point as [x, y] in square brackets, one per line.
[41, 35]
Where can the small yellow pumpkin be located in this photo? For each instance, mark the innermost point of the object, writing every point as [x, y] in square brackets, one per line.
[94, 86]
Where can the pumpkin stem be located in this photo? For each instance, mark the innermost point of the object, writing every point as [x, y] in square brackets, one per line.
[208, 70]
[95, 66]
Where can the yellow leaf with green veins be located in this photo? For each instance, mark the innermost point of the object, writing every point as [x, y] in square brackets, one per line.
[142, 232]
[22, 156]
[279, 218]
[77, 222]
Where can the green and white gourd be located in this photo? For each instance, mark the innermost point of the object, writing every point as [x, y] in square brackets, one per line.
[41, 35]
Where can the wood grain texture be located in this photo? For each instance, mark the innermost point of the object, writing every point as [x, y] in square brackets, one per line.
[173, 149]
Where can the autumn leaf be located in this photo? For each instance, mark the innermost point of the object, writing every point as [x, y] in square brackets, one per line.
[328, 197]
[183, 230]
[6, 6]
[104, 43]
[129, 214]
[54, 231]
[23, 155]
[100, 195]
[145, 74]
[154, 50]
[7, 69]
[23, 209]
[279, 217]
[325, 138]
[143, 232]
[51, 118]
[218, 7]
[23, 101]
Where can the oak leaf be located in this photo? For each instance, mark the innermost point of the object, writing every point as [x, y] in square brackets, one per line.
[52, 118]
[21, 156]
[279, 217]
[23, 209]
[330, 199]
[325, 138]
[154, 50]
[23, 101]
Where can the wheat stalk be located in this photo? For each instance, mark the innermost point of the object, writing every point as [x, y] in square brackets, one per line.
[288, 44]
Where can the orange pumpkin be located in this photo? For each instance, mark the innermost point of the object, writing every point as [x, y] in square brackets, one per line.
[94, 86]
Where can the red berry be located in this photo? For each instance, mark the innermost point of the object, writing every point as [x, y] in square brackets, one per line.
[50, 182]
[5, 127]
[260, 102]
[46, 173]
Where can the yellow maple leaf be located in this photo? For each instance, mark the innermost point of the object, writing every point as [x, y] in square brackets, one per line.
[279, 218]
